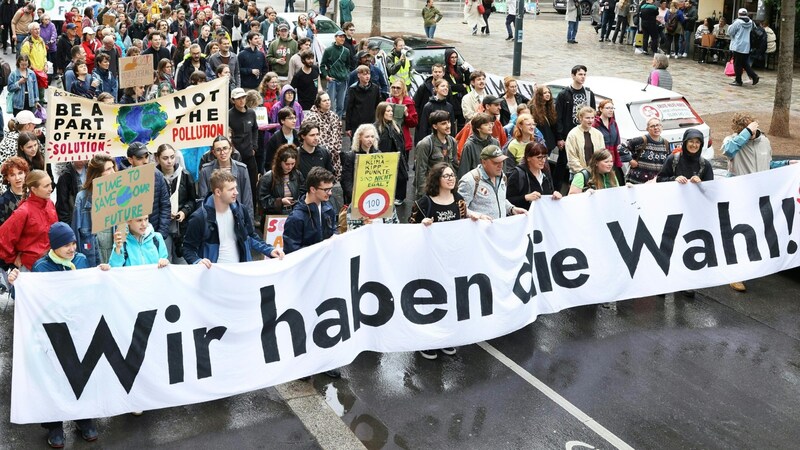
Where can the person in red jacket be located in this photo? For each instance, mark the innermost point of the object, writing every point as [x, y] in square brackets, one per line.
[398, 95]
[91, 46]
[23, 237]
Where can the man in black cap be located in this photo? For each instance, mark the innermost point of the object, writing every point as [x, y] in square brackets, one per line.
[281, 50]
[160, 218]
[364, 58]
[64, 46]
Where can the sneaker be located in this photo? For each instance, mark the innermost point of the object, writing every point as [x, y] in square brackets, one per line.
[334, 373]
[428, 354]
[510, 38]
[398, 202]
[449, 351]
[739, 286]
[673, 55]
[685, 55]
[55, 438]
[87, 430]
[735, 83]
[755, 80]
[137, 413]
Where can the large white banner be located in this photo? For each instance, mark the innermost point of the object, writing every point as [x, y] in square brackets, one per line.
[95, 344]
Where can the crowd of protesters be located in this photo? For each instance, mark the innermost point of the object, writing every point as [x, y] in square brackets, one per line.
[469, 155]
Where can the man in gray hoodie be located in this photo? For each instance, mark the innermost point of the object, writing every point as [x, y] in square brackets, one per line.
[739, 31]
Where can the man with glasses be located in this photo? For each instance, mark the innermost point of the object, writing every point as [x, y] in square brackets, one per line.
[350, 43]
[219, 232]
[221, 148]
[313, 218]
[484, 188]
[195, 62]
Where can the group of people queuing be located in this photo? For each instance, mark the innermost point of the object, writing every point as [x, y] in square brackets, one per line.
[471, 155]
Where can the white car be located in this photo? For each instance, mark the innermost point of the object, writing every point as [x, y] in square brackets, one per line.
[326, 28]
[636, 102]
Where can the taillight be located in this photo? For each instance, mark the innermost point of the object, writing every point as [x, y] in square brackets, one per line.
[710, 141]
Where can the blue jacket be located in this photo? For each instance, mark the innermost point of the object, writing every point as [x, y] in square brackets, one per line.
[137, 252]
[82, 227]
[250, 59]
[739, 31]
[45, 264]
[18, 91]
[375, 76]
[108, 82]
[302, 226]
[202, 235]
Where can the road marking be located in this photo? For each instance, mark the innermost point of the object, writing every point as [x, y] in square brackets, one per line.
[554, 396]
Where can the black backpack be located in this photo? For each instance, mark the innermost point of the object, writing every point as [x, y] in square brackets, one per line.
[758, 39]
[672, 23]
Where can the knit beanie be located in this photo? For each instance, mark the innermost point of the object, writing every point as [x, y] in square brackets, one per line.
[60, 235]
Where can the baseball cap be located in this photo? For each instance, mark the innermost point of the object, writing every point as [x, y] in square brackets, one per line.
[25, 117]
[283, 26]
[71, 26]
[137, 149]
[238, 93]
[88, 30]
[491, 100]
[339, 33]
[743, 11]
[373, 45]
[361, 54]
[493, 152]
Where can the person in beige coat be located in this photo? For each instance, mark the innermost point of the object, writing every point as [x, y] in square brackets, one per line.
[579, 150]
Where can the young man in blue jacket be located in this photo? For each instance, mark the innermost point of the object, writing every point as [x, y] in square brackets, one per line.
[313, 219]
[220, 230]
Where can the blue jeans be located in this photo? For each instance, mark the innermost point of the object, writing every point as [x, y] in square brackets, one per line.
[510, 19]
[20, 39]
[430, 30]
[572, 31]
[685, 41]
[336, 91]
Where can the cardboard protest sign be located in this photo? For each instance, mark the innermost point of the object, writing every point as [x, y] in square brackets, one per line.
[110, 20]
[80, 128]
[375, 180]
[122, 196]
[273, 230]
[135, 71]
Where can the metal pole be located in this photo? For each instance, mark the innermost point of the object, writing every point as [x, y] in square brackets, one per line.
[517, 67]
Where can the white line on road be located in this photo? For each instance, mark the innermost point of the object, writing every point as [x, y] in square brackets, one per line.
[554, 396]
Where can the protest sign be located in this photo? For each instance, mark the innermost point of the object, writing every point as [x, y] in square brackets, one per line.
[253, 325]
[79, 128]
[56, 9]
[273, 230]
[122, 196]
[375, 181]
[136, 71]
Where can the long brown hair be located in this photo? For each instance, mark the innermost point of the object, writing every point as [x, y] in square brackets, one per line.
[284, 153]
[37, 161]
[597, 177]
[95, 169]
[543, 112]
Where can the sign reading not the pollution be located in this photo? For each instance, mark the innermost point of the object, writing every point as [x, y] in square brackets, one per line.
[373, 192]
[122, 196]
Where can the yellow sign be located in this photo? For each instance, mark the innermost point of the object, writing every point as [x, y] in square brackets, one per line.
[122, 196]
[375, 182]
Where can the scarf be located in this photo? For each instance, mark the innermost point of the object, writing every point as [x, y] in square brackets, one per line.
[59, 260]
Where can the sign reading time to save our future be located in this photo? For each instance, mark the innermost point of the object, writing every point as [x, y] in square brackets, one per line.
[375, 181]
[122, 196]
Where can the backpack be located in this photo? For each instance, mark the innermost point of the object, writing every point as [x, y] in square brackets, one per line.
[677, 157]
[125, 251]
[672, 23]
[476, 175]
[758, 39]
[587, 180]
[5, 71]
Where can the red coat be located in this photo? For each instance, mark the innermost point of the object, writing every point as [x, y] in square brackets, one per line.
[409, 121]
[26, 231]
[91, 47]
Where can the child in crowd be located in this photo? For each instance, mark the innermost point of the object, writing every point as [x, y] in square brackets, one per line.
[138, 246]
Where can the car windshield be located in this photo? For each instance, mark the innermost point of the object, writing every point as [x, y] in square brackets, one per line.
[674, 113]
[424, 58]
[326, 26]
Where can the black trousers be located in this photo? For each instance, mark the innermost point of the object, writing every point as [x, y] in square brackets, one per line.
[651, 36]
[741, 63]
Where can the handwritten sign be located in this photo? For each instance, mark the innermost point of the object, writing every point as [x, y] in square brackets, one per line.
[80, 128]
[373, 192]
[135, 71]
[122, 196]
[273, 230]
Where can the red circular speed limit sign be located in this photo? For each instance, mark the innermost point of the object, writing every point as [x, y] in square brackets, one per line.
[374, 203]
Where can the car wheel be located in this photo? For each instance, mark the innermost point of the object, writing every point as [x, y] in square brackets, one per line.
[586, 9]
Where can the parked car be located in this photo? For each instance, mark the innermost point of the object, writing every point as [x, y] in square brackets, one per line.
[423, 52]
[326, 28]
[636, 102]
[586, 7]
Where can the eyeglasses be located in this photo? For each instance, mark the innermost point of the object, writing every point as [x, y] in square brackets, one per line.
[395, 87]
[541, 157]
[448, 176]
[327, 191]
[609, 107]
[222, 149]
[655, 126]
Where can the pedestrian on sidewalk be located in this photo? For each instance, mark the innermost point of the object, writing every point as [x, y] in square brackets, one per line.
[472, 15]
[488, 9]
[430, 17]
[739, 31]
[511, 17]
[573, 17]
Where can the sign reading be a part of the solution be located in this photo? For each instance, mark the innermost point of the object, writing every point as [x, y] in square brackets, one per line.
[122, 196]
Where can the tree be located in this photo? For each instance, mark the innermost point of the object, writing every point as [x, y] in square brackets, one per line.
[376, 18]
[783, 87]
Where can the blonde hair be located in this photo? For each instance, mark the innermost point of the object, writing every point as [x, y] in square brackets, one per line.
[518, 132]
[356, 144]
[33, 179]
[583, 111]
